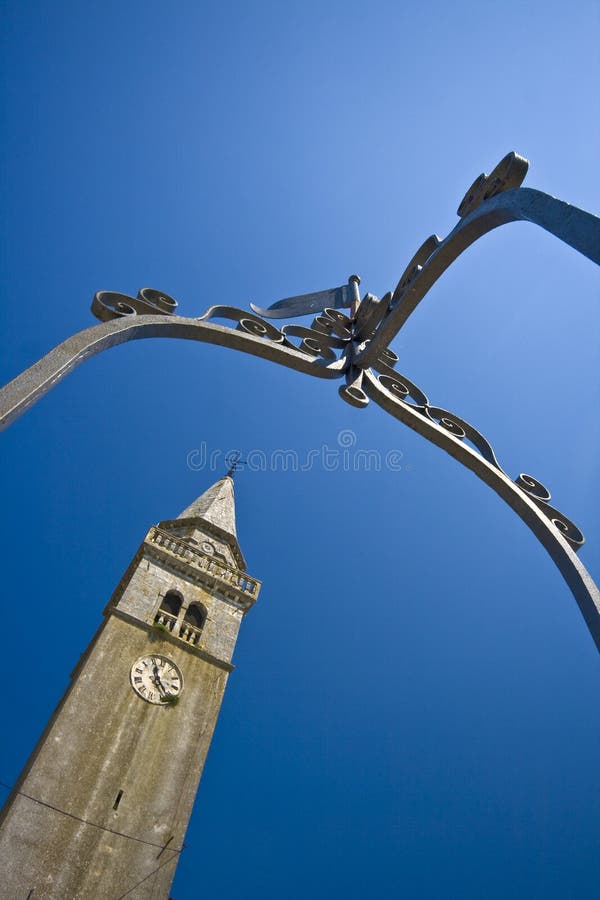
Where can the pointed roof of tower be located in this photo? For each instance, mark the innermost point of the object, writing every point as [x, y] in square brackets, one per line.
[215, 510]
[216, 506]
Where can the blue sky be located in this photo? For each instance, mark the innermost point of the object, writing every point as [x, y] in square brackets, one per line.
[414, 711]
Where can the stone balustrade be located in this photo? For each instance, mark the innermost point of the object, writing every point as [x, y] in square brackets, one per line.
[186, 632]
[227, 575]
[190, 633]
[166, 619]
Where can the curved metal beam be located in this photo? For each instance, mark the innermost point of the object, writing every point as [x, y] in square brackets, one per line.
[571, 568]
[21, 393]
[572, 225]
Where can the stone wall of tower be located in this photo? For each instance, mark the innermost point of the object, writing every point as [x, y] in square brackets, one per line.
[102, 740]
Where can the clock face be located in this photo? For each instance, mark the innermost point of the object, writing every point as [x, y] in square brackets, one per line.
[156, 679]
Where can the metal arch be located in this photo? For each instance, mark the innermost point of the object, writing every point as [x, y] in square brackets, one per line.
[362, 344]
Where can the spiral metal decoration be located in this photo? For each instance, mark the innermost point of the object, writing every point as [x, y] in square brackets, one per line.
[356, 349]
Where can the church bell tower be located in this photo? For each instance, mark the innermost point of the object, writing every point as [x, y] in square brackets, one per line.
[102, 806]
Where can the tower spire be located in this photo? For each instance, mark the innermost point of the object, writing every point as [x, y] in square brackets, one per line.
[216, 506]
[212, 512]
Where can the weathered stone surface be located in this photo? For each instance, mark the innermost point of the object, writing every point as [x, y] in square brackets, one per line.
[215, 506]
[148, 584]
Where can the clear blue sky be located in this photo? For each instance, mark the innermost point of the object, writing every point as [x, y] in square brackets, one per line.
[414, 711]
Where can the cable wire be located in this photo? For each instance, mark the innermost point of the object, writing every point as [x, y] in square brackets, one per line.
[153, 872]
[93, 824]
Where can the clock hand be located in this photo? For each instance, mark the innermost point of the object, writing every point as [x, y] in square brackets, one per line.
[158, 681]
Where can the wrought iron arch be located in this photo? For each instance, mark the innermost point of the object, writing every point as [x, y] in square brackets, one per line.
[356, 348]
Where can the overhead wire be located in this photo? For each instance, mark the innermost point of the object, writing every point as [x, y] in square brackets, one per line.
[146, 877]
[63, 812]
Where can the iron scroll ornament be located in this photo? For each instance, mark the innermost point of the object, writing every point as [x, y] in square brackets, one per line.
[356, 347]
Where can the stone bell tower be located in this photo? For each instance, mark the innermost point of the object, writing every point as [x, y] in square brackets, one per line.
[102, 806]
